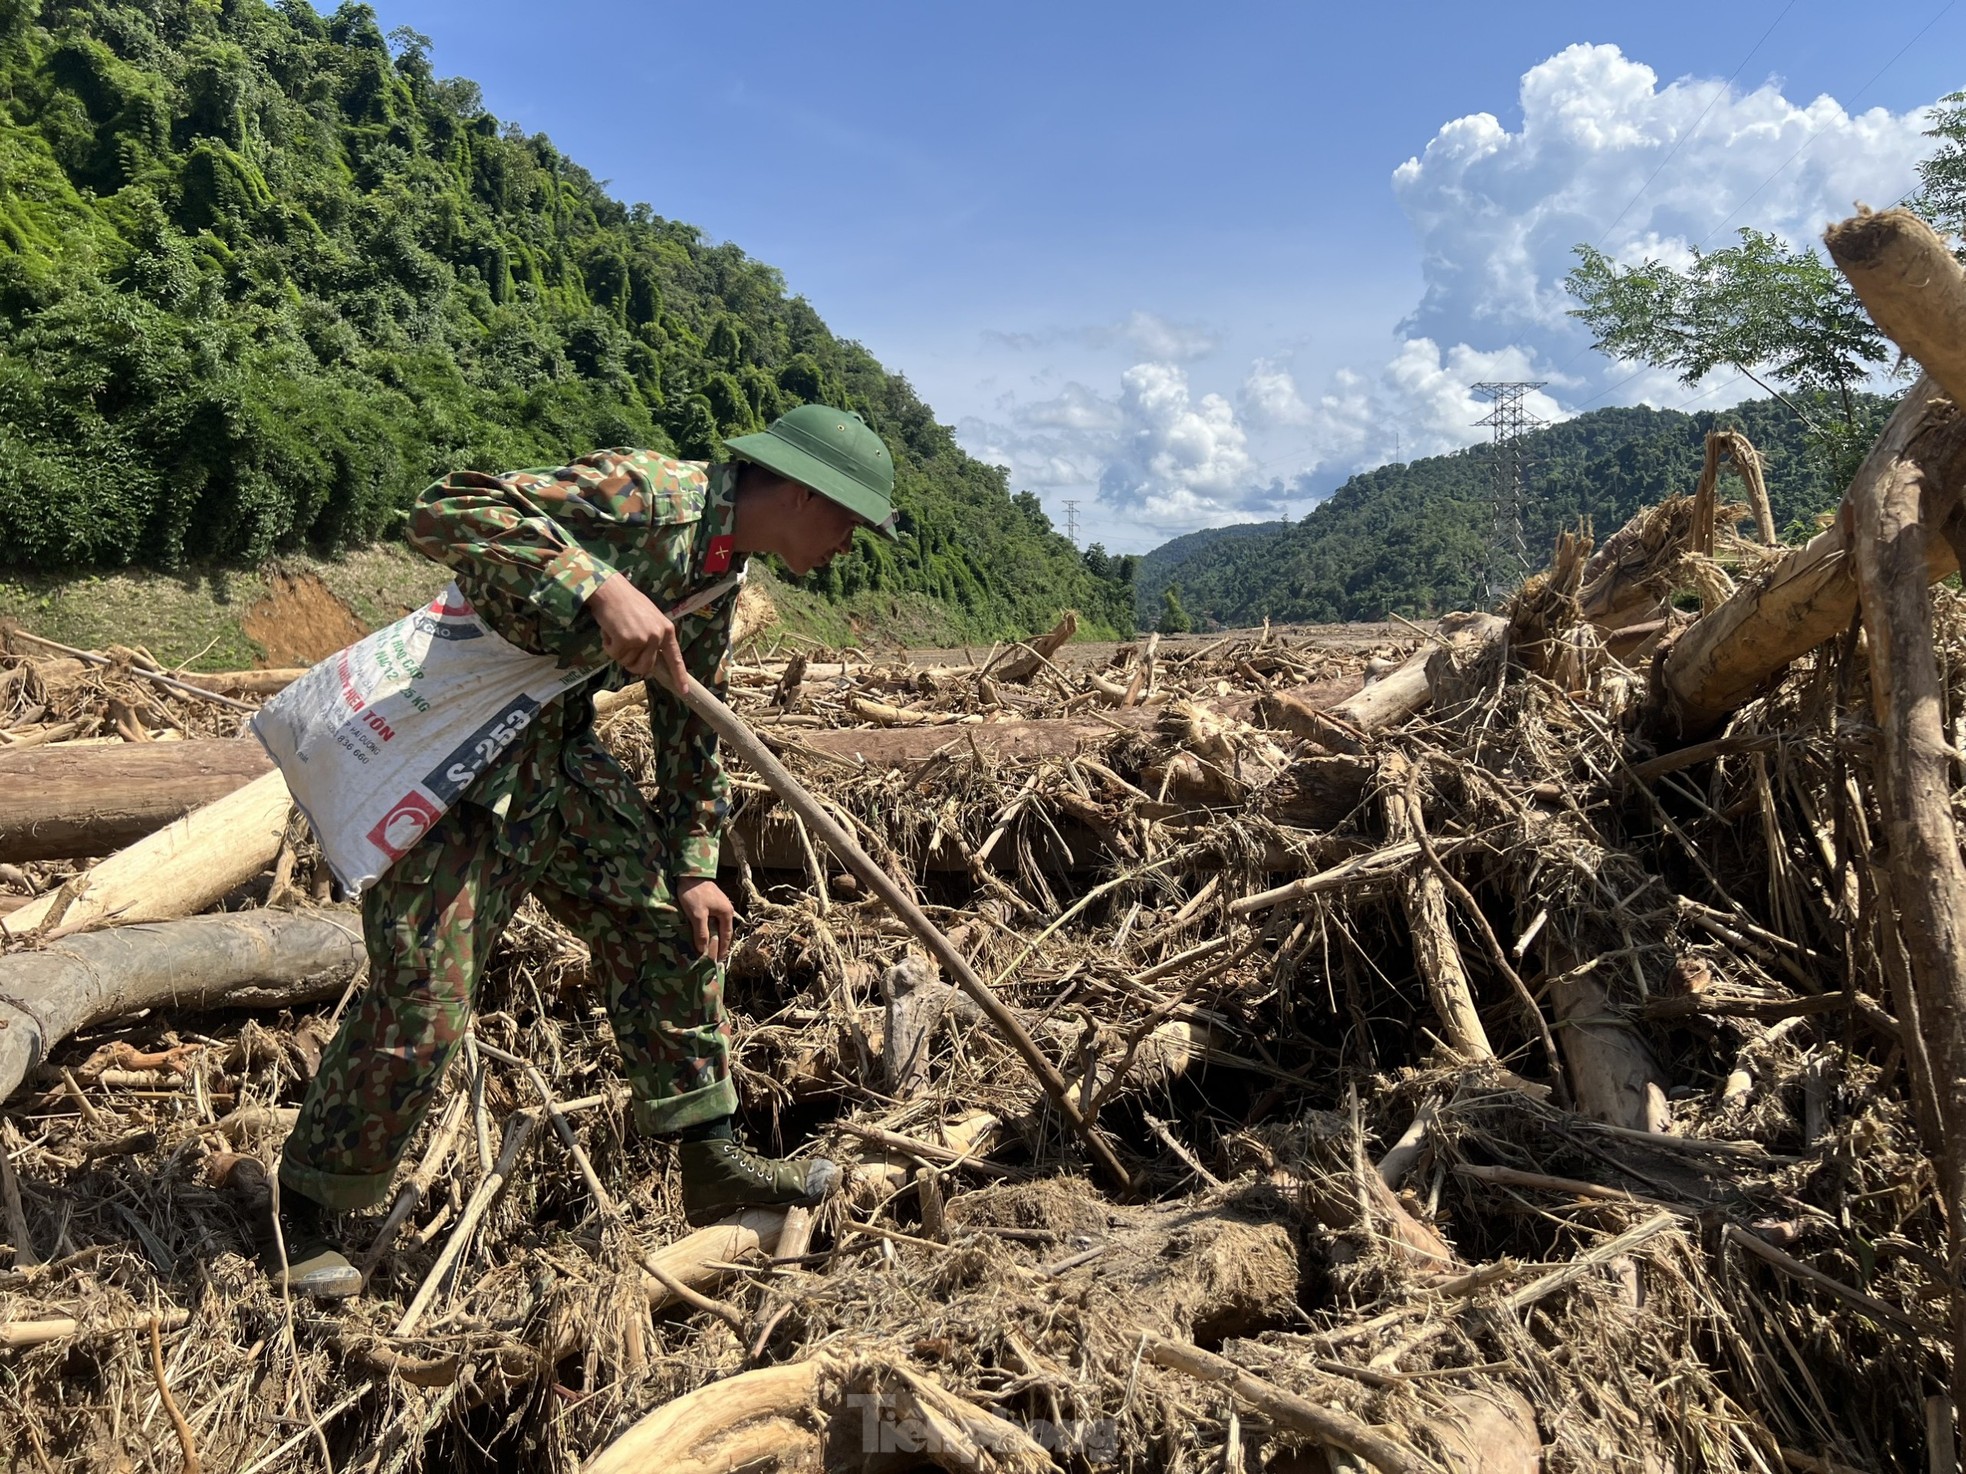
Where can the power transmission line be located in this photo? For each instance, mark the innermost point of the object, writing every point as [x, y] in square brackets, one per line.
[1681, 141]
[1815, 132]
[1072, 521]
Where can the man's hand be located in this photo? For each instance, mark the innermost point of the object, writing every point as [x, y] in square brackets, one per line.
[709, 913]
[636, 635]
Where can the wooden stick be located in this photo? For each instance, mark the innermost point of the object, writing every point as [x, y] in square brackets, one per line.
[1287, 1409]
[170, 1403]
[1573, 1186]
[414, 1190]
[1188, 1158]
[24, 1254]
[518, 1132]
[610, 1213]
[1380, 865]
[1789, 1264]
[19, 1335]
[746, 745]
[1544, 1286]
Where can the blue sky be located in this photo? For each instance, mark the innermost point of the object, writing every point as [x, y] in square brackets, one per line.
[1188, 264]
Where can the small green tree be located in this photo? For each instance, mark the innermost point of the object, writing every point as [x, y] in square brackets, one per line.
[1784, 318]
[1173, 618]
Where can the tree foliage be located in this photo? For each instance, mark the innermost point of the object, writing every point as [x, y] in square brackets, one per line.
[1173, 618]
[264, 275]
[1412, 539]
[1779, 314]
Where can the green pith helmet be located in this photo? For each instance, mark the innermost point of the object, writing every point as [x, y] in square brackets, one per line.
[833, 452]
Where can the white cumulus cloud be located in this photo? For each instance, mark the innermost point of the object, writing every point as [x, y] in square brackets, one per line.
[1179, 458]
[1270, 396]
[1606, 154]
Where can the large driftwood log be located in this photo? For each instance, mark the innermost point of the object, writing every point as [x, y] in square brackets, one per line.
[178, 871]
[1408, 689]
[1911, 286]
[821, 1413]
[255, 959]
[59, 802]
[1916, 292]
[1810, 595]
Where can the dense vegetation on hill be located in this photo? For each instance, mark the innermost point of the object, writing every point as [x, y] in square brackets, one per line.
[1413, 538]
[264, 275]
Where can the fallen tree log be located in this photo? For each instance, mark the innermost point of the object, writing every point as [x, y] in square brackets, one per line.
[1410, 688]
[244, 682]
[177, 871]
[255, 959]
[831, 1411]
[60, 802]
[1910, 285]
[1809, 596]
[80, 801]
[1916, 292]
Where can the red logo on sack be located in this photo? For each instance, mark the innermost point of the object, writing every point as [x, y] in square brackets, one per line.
[717, 560]
[404, 825]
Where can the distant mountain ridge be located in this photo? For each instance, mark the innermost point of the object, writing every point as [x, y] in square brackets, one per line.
[1412, 539]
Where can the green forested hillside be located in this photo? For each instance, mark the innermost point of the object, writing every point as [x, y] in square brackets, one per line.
[263, 275]
[1412, 538]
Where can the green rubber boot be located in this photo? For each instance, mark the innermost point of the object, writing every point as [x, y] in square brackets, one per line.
[315, 1265]
[720, 1178]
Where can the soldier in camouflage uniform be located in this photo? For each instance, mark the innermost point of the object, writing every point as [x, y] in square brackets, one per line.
[578, 563]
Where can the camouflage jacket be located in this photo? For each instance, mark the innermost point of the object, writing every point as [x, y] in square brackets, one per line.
[528, 548]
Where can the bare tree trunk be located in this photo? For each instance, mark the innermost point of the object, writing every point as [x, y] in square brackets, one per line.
[178, 871]
[1928, 878]
[1916, 292]
[60, 802]
[255, 959]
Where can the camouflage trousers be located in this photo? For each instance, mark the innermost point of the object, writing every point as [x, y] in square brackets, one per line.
[430, 924]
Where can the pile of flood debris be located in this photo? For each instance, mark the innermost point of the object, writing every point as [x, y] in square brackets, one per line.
[1525, 1041]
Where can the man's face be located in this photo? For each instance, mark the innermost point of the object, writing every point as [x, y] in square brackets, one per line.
[821, 530]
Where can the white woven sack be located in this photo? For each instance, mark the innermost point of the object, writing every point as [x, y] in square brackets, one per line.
[379, 740]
